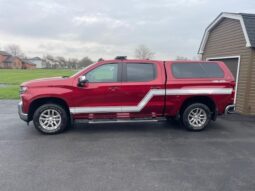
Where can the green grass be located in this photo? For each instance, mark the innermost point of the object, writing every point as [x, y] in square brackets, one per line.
[13, 78]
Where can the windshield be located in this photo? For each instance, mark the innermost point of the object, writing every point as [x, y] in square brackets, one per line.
[80, 71]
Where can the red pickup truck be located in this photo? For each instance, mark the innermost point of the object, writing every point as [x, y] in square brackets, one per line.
[124, 90]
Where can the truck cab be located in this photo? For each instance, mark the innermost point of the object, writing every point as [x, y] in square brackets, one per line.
[122, 90]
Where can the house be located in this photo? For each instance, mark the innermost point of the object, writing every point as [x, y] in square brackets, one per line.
[40, 63]
[3, 56]
[231, 38]
[7, 61]
[27, 64]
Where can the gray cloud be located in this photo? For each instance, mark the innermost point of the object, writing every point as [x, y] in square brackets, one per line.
[107, 28]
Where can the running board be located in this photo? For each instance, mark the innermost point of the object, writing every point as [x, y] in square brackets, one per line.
[119, 121]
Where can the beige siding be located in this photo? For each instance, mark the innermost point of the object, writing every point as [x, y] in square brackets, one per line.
[251, 103]
[227, 39]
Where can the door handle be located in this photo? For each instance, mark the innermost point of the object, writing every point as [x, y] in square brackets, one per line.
[113, 88]
[155, 87]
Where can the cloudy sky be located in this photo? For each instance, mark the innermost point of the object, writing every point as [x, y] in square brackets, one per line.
[106, 28]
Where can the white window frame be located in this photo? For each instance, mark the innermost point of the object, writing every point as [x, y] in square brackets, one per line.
[238, 69]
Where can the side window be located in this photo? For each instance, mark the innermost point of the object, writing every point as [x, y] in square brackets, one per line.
[140, 72]
[197, 70]
[104, 73]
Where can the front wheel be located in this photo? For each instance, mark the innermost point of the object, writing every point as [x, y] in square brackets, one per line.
[50, 119]
[196, 117]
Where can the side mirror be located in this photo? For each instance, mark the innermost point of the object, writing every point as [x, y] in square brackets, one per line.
[82, 80]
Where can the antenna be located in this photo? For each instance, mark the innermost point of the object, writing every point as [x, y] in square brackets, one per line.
[120, 57]
[100, 59]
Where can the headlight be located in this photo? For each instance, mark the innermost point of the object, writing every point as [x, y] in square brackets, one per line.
[22, 89]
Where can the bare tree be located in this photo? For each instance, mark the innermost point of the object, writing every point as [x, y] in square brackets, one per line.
[143, 52]
[14, 50]
[61, 62]
[73, 63]
[86, 61]
[49, 61]
[181, 58]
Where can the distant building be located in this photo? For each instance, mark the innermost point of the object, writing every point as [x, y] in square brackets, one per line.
[3, 56]
[27, 64]
[40, 63]
[7, 61]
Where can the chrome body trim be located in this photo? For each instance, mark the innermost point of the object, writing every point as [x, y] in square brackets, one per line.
[123, 121]
[22, 115]
[230, 109]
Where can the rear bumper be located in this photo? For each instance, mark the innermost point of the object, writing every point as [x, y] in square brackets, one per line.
[230, 109]
[23, 116]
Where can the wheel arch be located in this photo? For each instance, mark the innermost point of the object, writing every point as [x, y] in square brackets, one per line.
[201, 99]
[46, 100]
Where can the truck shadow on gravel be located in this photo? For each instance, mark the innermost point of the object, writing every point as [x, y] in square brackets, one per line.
[160, 127]
[164, 127]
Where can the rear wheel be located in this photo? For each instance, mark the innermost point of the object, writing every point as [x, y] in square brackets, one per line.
[50, 119]
[196, 116]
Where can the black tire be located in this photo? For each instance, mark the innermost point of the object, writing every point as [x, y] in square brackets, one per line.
[191, 123]
[60, 127]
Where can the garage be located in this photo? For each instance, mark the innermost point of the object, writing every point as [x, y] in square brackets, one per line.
[231, 38]
[232, 64]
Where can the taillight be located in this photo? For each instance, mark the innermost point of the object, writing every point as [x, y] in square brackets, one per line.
[233, 84]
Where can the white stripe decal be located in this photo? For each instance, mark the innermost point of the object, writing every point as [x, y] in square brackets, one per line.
[199, 91]
[147, 98]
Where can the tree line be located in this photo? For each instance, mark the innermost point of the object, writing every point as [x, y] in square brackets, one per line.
[49, 61]
[61, 62]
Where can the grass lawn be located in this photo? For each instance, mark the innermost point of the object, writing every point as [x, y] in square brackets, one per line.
[13, 78]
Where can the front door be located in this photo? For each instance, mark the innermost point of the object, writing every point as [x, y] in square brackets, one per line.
[100, 96]
[143, 89]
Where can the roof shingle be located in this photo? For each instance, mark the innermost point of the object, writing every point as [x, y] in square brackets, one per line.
[249, 22]
[3, 53]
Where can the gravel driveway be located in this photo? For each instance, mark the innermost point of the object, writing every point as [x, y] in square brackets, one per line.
[121, 157]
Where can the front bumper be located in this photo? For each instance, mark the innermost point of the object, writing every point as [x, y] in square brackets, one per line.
[23, 116]
[230, 109]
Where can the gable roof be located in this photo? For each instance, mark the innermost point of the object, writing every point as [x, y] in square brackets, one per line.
[9, 59]
[35, 58]
[4, 53]
[247, 22]
[28, 61]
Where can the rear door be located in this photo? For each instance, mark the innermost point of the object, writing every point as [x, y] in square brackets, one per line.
[143, 89]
